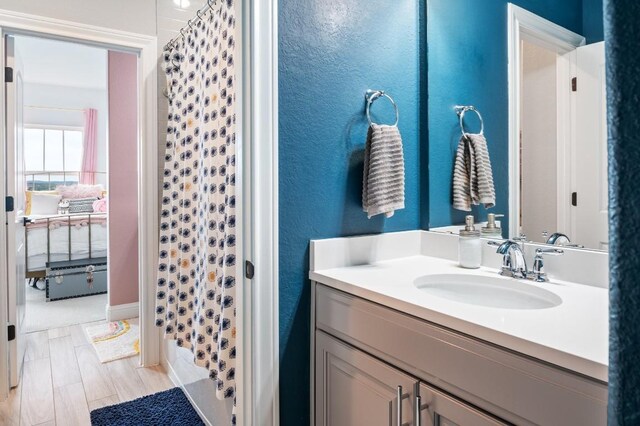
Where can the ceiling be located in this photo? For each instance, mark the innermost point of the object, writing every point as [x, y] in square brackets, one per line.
[62, 63]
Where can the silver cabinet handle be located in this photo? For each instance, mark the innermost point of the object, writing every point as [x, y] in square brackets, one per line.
[418, 410]
[399, 408]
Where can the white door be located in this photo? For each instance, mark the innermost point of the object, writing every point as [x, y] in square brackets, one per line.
[15, 228]
[590, 148]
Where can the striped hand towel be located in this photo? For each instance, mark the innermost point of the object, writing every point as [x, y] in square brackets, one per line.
[472, 175]
[383, 181]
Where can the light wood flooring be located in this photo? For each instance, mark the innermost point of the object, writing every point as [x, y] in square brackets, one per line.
[63, 380]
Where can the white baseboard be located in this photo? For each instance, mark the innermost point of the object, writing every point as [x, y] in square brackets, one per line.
[125, 311]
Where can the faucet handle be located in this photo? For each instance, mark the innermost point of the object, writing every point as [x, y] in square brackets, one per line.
[539, 275]
[522, 238]
[549, 252]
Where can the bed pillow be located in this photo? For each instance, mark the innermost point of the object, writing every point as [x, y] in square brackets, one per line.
[27, 199]
[44, 204]
[81, 205]
[80, 191]
[100, 206]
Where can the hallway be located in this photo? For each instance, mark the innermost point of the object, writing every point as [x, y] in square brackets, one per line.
[62, 381]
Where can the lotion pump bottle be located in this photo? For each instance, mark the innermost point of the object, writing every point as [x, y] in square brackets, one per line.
[492, 230]
[469, 248]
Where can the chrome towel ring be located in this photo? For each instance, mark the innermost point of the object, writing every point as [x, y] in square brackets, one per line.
[371, 97]
[461, 110]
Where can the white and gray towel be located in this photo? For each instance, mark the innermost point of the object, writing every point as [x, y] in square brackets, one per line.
[383, 181]
[472, 175]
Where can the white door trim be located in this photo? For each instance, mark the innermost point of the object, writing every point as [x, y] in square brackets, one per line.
[524, 25]
[260, 72]
[4, 274]
[146, 47]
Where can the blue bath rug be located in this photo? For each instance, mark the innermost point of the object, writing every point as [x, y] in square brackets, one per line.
[163, 408]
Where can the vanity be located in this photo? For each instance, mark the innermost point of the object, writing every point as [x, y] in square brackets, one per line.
[403, 336]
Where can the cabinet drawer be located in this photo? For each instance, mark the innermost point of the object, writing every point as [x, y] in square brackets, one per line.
[513, 387]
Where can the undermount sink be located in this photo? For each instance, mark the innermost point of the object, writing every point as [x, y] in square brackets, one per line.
[491, 292]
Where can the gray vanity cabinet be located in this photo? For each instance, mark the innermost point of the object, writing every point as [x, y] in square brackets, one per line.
[364, 351]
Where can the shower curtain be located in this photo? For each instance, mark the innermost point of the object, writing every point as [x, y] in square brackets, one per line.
[197, 255]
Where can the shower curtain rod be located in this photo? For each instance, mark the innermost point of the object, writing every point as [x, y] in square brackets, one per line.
[199, 15]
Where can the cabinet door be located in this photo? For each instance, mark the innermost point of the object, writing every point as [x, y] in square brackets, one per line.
[438, 409]
[355, 389]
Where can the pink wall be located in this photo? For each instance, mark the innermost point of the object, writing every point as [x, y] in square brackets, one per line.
[123, 178]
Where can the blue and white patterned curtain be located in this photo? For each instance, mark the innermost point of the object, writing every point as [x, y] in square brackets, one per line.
[196, 276]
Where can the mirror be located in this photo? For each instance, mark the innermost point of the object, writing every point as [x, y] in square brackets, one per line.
[547, 141]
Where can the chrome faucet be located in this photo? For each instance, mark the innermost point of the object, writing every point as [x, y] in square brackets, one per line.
[513, 261]
[557, 238]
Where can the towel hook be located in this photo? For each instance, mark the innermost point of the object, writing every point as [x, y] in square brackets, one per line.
[461, 110]
[370, 98]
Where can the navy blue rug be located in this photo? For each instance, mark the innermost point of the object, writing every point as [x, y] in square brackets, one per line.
[163, 408]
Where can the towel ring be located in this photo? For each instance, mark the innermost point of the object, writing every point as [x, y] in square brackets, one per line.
[371, 96]
[461, 110]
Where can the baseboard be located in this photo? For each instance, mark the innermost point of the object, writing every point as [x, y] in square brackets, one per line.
[124, 311]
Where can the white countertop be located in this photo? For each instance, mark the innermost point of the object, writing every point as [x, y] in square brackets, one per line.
[573, 335]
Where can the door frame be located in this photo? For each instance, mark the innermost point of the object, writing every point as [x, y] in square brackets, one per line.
[261, 358]
[146, 48]
[525, 25]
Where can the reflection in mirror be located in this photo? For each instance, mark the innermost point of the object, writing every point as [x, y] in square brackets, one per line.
[550, 166]
[561, 173]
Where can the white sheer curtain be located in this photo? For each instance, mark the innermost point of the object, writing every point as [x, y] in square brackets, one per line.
[90, 147]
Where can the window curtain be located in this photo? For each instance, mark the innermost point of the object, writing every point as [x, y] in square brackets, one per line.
[195, 297]
[90, 147]
[622, 26]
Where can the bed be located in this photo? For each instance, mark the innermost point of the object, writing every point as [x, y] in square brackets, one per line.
[57, 238]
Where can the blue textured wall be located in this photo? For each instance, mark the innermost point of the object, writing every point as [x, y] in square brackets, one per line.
[331, 52]
[592, 20]
[467, 42]
[622, 26]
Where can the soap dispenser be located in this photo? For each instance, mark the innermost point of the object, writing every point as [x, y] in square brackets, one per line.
[492, 230]
[469, 248]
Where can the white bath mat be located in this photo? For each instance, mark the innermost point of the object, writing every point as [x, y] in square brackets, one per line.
[115, 340]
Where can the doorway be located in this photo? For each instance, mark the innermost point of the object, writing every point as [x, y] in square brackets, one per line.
[61, 163]
[87, 237]
[71, 108]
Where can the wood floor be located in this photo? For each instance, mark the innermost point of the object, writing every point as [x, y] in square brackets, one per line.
[63, 380]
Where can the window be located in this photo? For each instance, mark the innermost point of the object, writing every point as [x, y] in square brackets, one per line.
[52, 156]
